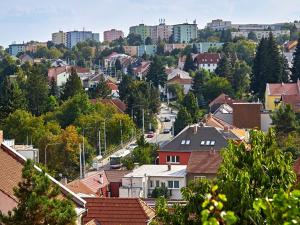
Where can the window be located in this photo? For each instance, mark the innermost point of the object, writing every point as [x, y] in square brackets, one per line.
[199, 177]
[188, 142]
[157, 183]
[173, 159]
[183, 142]
[202, 142]
[207, 142]
[173, 184]
[163, 184]
[212, 142]
[151, 183]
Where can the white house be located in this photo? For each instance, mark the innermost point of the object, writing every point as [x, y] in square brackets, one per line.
[208, 61]
[143, 180]
[178, 76]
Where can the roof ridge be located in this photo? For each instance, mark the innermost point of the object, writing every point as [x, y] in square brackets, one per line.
[144, 205]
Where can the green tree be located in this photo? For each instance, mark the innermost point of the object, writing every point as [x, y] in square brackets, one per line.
[118, 65]
[37, 91]
[124, 87]
[241, 78]
[191, 104]
[283, 208]
[134, 39]
[284, 120]
[225, 36]
[183, 119]
[100, 90]
[38, 201]
[148, 41]
[130, 70]
[224, 68]
[53, 88]
[189, 63]
[160, 192]
[73, 86]
[255, 170]
[252, 36]
[296, 63]
[157, 74]
[216, 86]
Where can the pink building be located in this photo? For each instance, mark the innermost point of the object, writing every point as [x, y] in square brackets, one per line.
[113, 34]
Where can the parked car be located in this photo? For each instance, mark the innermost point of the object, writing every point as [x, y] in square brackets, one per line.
[150, 134]
[167, 119]
[166, 131]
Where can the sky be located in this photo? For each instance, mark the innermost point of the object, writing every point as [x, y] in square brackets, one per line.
[25, 20]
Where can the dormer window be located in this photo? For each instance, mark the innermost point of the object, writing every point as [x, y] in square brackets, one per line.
[212, 143]
[207, 142]
[202, 142]
[183, 142]
[188, 142]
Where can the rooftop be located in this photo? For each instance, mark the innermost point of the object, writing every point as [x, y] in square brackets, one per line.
[115, 175]
[116, 211]
[208, 58]
[206, 162]
[283, 88]
[158, 170]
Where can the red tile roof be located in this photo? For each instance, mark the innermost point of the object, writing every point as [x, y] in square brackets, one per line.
[143, 68]
[116, 211]
[293, 100]
[79, 187]
[115, 175]
[112, 86]
[7, 203]
[208, 58]
[55, 71]
[11, 165]
[178, 80]
[297, 168]
[204, 162]
[222, 99]
[117, 103]
[283, 88]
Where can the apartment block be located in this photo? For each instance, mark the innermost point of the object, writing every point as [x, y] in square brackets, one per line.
[142, 30]
[184, 33]
[113, 34]
[74, 37]
[59, 38]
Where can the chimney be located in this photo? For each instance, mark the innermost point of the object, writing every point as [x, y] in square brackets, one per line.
[226, 129]
[101, 179]
[1, 136]
[169, 167]
[195, 129]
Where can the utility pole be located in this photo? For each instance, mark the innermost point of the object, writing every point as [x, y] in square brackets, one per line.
[121, 133]
[104, 137]
[143, 121]
[99, 141]
[80, 161]
[83, 153]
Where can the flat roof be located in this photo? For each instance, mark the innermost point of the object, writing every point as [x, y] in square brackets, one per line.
[158, 171]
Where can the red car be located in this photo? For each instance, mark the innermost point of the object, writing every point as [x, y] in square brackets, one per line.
[150, 135]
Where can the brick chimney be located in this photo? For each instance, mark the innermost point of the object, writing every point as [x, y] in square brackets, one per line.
[1, 136]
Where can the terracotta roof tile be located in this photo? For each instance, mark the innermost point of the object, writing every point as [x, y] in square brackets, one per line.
[208, 58]
[115, 175]
[206, 162]
[79, 187]
[115, 211]
[293, 100]
[283, 88]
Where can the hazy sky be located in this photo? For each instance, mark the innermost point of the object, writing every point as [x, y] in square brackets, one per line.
[25, 20]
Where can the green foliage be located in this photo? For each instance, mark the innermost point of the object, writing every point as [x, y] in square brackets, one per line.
[157, 75]
[189, 63]
[241, 79]
[100, 90]
[283, 208]
[216, 86]
[225, 36]
[72, 87]
[38, 201]
[183, 119]
[224, 68]
[191, 104]
[37, 90]
[296, 63]
[160, 192]
[255, 170]
[268, 66]
[177, 91]
[284, 120]
[252, 36]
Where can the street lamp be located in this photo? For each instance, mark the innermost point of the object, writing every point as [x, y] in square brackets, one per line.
[45, 151]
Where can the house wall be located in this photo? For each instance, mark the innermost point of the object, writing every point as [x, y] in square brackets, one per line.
[114, 189]
[209, 67]
[269, 102]
[266, 121]
[62, 79]
[192, 176]
[183, 157]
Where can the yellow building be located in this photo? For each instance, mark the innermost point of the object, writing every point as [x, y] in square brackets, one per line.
[274, 93]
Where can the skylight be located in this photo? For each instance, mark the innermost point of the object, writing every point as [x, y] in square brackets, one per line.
[202, 142]
[207, 142]
[188, 142]
[183, 142]
[212, 142]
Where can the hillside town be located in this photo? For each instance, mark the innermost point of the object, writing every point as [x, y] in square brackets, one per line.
[171, 124]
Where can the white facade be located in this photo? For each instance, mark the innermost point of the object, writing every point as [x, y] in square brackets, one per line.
[208, 66]
[219, 25]
[143, 180]
[261, 34]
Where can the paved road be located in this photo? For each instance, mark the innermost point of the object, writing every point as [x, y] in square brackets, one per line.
[160, 138]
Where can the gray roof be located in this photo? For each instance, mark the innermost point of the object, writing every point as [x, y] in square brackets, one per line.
[205, 138]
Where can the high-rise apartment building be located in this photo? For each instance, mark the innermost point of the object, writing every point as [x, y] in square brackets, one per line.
[185, 32]
[113, 34]
[59, 38]
[74, 37]
[142, 30]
